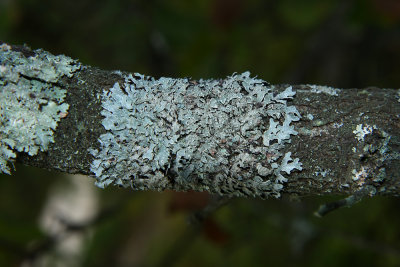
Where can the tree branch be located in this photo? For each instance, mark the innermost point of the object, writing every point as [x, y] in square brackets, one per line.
[238, 136]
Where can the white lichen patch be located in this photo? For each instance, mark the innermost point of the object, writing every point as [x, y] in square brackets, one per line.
[322, 172]
[360, 176]
[337, 125]
[318, 89]
[361, 131]
[30, 101]
[225, 136]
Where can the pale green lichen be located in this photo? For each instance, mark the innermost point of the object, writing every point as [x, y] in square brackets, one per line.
[31, 102]
[318, 123]
[225, 136]
[318, 89]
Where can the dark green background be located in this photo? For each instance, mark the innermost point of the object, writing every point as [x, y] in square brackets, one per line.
[338, 43]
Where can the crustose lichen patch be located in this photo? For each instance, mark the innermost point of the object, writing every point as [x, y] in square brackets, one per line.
[224, 136]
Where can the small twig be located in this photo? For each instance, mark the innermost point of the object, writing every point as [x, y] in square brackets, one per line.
[347, 202]
[216, 202]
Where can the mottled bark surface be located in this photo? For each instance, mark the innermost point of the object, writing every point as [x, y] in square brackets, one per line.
[346, 142]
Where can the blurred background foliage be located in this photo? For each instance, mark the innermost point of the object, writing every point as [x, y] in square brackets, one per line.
[48, 219]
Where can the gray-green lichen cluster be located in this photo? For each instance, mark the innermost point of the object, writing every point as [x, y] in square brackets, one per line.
[223, 136]
[372, 173]
[31, 102]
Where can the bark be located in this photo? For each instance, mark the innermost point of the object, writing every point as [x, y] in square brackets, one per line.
[348, 140]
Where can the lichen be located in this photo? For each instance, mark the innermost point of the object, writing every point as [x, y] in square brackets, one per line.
[322, 172]
[318, 89]
[372, 172]
[225, 136]
[360, 175]
[337, 125]
[360, 131]
[31, 102]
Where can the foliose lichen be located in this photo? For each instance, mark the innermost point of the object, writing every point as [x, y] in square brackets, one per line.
[31, 102]
[223, 136]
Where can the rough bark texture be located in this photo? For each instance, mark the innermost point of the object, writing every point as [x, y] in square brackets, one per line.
[348, 141]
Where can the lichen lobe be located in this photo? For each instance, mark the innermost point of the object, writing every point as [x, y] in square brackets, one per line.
[31, 102]
[223, 136]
